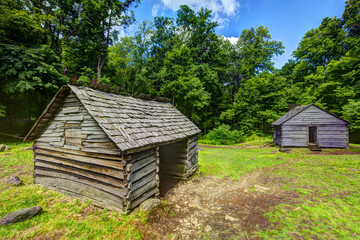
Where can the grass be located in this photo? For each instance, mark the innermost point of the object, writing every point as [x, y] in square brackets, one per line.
[323, 196]
[234, 163]
[62, 217]
[327, 204]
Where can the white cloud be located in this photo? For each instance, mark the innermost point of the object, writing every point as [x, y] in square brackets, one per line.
[222, 9]
[233, 40]
[155, 9]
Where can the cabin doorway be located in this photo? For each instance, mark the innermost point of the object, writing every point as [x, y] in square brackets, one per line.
[172, 165]
[313, 135]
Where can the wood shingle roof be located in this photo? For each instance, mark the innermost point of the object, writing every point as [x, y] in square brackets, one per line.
[292, 113]
[131, 122]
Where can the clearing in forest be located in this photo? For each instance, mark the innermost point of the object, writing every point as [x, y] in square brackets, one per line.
[238, 193]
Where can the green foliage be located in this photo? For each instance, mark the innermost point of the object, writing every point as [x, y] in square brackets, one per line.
[351, 112]
[29, 78]
[223, 135]
[2, 111]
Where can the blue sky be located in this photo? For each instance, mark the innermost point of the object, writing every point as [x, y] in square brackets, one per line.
[287, 20]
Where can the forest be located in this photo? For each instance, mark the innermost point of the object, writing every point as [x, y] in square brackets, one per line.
[224, 88]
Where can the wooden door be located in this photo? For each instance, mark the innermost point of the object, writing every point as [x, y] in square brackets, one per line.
[312, 134]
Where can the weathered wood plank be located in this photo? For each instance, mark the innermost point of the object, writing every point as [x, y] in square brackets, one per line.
[105, 145]
[97, 150]
[82, 189]
[143, 162]
[142, 181]
[85, 166]
[85, 159]
[49, 139]
[72, 173]
[81, 153]
[173, 167]
[132, 195]
[138, 156]
[135, 175]
[150, 193]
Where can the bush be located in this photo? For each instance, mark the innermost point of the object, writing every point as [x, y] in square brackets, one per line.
[224, 135]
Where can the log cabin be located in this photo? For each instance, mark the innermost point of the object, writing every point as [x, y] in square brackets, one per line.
[109, 148]
[311, 126]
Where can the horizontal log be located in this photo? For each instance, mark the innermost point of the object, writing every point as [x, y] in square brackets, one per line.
[68, 118]
[132, 195]
[81, 189]
[192, 170]
[138, 156]
[72, 125]
[324, 137]
[85, 159]
[174, 173]
[118, 192]
[143, 162]
[49, 139]
[71, 171]
[176, 160]
[85, 166]
[70, 109]
[142, 172]
[192, 144]
[72, 147]
[176, 167]
[142, 198]
[332, 132]
[51, 134]
[142, 181]
[101, 145]
[81, 153]
[98, 150]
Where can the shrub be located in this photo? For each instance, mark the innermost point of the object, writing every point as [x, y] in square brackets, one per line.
[224, 135]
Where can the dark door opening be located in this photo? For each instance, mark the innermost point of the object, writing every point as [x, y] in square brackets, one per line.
[312, 134]
[172, 165]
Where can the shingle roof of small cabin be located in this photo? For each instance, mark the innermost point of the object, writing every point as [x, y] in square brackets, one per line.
[120, 117]
[292, 113]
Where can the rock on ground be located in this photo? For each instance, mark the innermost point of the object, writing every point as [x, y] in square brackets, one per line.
[207, 228]
[15, 180]
[261, 188]
[285, 150]
[20, 215]
[230, 218]
[149, 204]
[196, 203]
[2, 147]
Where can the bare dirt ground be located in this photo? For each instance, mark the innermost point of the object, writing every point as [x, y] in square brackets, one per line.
[214, 208]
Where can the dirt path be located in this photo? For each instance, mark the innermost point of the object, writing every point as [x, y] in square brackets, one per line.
[214, 208]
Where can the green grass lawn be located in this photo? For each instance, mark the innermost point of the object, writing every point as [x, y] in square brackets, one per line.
[62, 217]
[324, 202]
[324, 189]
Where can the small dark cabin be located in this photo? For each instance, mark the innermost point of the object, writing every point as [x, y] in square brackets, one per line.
[310, 125]
[113, 149]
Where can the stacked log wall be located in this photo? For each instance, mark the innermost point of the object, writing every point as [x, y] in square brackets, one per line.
[333, 136]
[331, 131]
[192, 155]
[142, 176]
[173, 159]
[73, 155]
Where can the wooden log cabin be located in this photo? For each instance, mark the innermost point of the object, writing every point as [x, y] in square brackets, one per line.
[311, 126]
[111, 148]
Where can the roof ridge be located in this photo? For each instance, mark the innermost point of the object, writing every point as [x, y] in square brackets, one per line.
[94, 84]
[297, 110]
